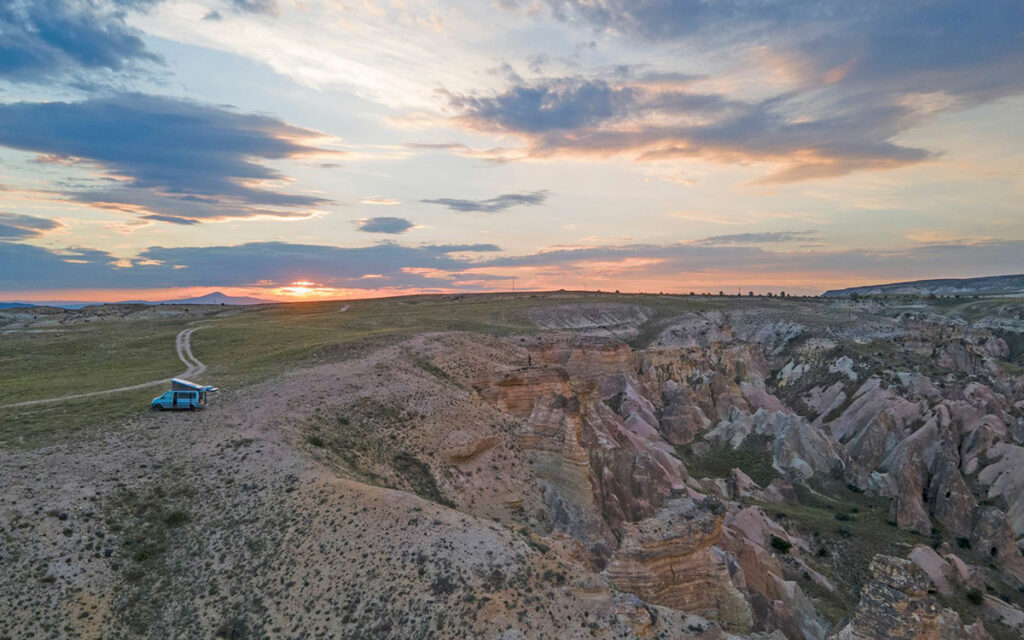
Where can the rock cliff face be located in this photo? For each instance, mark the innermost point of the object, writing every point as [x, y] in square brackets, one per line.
[911, 408]
[674, 559]
[598, 468]
[897, 603]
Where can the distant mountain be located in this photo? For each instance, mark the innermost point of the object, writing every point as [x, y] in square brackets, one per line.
[213, 298]
[59, 304]
[989, 285]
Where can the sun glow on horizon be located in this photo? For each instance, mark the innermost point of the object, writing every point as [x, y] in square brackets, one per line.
[307, 290]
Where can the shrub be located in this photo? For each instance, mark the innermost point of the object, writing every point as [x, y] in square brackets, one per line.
[974, 596]
[781, 545]
[537, 544]
[713, 505]
[963, 543]
[176, 518]
[233, 629]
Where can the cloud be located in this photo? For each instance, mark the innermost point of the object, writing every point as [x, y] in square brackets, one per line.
[496, 155]
[679, 261]
[18, 226]
[858, 75]
[379, 200]
[171, 219]
[760, 238]
[266, 264]
[492, 205]
[557, 104]
[955, 46]
[41, 39]
[273, 264]
[961, 48]
[170, 157]
[384, 225]
[142, 6]
[665, 121]
[268, 7]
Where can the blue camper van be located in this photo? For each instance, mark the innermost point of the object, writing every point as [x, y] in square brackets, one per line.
[183, 395]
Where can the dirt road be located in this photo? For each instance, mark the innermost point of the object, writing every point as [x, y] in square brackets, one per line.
[182, 343]
[184, 346]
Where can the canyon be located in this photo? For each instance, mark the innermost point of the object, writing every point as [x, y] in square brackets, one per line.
[802, 469]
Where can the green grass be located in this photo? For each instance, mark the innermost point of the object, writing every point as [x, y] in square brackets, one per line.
[416, 474]
[359, 438]
[1011, 368]
[239, 346]
[850, 527]
[850, 542]
[964, 603]
[71, 420]
[86, 357]
[974, 310]
[753, 457]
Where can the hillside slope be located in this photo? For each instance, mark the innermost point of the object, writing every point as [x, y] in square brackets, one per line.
[644, 468]
[990, 285]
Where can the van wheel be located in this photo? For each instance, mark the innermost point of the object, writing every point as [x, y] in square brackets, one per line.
[159, 407]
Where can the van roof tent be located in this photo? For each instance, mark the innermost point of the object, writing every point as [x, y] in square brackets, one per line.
[179, 384]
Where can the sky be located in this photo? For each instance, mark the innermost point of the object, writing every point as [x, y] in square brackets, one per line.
[305, 149]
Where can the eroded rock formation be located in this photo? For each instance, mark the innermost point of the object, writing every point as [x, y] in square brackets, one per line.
[897, 604]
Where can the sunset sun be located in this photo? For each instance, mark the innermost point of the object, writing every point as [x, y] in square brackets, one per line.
[299, 289]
